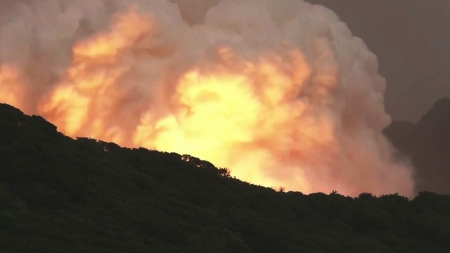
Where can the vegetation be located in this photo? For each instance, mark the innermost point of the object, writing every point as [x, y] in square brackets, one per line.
[63, 195]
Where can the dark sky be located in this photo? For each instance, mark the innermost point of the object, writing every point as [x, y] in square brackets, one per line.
[411, 39]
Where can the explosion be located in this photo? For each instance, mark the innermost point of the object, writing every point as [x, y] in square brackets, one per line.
[280, 92]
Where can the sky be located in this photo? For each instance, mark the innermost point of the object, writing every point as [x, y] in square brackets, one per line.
[411, 39]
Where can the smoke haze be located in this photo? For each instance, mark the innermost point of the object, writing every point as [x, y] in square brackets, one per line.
[280, 92]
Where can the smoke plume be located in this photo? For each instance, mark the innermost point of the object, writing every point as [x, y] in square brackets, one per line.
[279, 91]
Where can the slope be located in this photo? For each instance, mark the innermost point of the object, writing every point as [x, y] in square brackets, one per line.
[63, 195]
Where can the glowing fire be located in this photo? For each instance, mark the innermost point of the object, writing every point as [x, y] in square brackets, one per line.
[229, 117]
[91, 83]
[10, 88]
[275, 119]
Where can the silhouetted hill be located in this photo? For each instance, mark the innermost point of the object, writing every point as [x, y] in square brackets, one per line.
[428, 145]
[63, 195]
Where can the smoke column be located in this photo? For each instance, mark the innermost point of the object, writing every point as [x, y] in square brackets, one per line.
[279, 91]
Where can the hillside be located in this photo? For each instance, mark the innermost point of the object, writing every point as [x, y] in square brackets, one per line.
[63, 195]
[427, 143]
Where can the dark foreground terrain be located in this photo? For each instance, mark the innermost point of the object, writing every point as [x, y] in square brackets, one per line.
[63, 195]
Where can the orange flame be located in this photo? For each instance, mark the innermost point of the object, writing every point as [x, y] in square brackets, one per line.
[231, 118]
[272, 119]
[92, 82]
[10, 85]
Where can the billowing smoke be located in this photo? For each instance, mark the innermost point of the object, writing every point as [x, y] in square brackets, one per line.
[279, 91]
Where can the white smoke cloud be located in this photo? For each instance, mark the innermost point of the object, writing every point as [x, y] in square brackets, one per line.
[279, 91]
